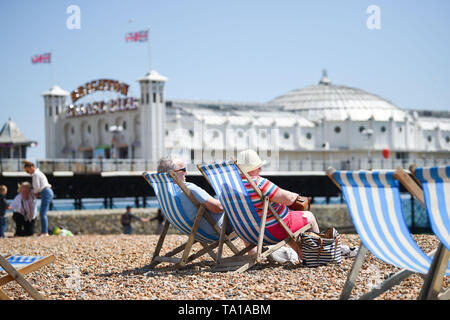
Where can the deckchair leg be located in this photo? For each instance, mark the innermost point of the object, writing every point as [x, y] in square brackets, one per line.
[206, 249]
[245, 250]
[191, 239]
[222, 238]
[229, 243]
[262, 229]
[353, 275]
[218, 229]
[387, 284]
[433, 281]
[393, 281]
[211, 252]
[153, 263]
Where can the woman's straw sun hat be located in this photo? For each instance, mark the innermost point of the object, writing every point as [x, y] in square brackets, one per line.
[249, 160]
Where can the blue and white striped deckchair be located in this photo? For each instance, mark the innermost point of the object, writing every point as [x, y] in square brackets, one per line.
[435, 183]
[226, 180]
[374, 203]
[168, 187]
[18, 266]
[21, 261]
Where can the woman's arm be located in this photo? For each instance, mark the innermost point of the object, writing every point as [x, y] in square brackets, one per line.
[275, 193]
[284, 197]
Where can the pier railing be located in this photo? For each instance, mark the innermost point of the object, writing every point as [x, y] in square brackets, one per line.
[96, 166]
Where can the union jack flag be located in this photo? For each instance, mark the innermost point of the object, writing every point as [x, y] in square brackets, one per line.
[141, 36]
[41, 58]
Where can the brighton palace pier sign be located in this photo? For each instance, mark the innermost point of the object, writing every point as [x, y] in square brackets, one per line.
[100, 107]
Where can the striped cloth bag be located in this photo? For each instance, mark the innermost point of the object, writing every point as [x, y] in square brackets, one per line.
[318, 249]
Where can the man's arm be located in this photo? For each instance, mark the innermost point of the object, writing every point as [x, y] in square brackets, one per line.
[213, 205]
[15, 203]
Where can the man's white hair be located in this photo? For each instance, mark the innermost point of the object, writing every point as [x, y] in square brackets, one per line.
[166, 164]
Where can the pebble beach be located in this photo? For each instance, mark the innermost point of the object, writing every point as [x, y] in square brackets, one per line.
[115, 267]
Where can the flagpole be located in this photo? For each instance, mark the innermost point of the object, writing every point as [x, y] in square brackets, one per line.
[149, 50]
[52, 68]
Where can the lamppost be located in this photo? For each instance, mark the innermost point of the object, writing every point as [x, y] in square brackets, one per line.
[368, 133]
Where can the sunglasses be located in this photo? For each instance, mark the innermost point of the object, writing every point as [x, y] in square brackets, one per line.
[182, 169]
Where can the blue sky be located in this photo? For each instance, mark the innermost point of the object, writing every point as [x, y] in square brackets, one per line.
[224, 50]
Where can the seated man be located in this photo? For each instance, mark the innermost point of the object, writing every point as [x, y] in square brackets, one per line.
[212, 205]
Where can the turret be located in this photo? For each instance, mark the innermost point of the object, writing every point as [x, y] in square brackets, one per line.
[54, 102]
[152, 116]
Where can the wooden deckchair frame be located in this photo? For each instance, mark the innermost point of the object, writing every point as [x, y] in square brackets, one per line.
[17, 275]
[187, 246]
[239, 261]
[399, 276]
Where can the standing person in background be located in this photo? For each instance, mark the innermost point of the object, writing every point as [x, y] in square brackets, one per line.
[3, 207]
[43, 189]
[126, 220]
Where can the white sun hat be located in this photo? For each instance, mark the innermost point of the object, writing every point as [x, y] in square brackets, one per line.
[249, 160]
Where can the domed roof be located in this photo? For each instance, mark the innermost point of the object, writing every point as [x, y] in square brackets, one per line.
[55, 91]
[336, 102]
[153, 75]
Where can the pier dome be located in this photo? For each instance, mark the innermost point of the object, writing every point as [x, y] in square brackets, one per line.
[326, 101]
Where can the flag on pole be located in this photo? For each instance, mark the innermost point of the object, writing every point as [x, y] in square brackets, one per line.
[141, 36]
[41, 58]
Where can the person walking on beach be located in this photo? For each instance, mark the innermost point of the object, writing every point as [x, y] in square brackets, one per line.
[3, 207]
[24, 210]
[41, 189]
[126, 220]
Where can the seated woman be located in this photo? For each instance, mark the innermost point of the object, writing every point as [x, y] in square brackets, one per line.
[280, 200]
[24, 210]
